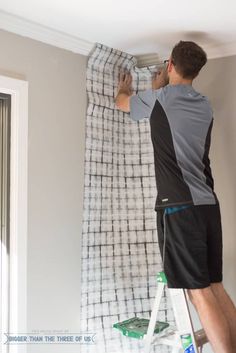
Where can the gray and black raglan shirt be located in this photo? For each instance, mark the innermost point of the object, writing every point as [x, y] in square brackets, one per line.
[181, 122]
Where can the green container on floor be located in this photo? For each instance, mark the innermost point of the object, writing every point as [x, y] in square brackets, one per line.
[137, 327]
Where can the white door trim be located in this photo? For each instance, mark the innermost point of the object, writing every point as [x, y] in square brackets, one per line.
[18, 90]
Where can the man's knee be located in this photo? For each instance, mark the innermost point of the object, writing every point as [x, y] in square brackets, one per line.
[198, 295]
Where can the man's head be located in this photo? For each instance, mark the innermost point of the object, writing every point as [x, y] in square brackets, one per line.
[186, 60]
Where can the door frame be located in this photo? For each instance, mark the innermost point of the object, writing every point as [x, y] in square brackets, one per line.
[18, 89]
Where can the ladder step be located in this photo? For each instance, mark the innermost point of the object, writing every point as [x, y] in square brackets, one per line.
[137, 327]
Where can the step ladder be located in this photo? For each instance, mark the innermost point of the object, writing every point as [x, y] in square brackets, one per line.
[181, 337]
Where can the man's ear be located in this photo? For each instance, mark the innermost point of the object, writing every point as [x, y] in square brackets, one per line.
[170, 66]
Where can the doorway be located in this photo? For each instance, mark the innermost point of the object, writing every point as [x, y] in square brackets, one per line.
[13, 210]
[5, 135]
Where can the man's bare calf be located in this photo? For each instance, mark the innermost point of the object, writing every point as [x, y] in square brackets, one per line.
[213, 318]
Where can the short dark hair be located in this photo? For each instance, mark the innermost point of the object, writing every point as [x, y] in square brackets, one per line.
[188, 59]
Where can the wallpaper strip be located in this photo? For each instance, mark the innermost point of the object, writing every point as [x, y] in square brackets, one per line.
[120, 254]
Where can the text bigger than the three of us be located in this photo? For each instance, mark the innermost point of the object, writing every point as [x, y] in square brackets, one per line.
[24, 339]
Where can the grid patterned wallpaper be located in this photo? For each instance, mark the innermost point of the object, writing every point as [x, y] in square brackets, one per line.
[120, 254]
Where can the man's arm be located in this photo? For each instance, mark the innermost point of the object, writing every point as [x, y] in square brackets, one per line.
[125, 90]
[124, 93]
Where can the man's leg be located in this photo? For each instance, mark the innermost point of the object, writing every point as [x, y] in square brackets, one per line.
[213, 319]
[227, 307]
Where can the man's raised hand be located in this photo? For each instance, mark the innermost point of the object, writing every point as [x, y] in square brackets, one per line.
[125, 83]
[160, 79]
[125, 90]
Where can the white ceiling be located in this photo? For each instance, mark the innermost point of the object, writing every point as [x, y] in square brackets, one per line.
[135, 26]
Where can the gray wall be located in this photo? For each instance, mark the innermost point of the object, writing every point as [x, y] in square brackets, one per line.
[217, 81]
[57, 106]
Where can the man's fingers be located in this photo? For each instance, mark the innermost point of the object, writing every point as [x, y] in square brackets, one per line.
[128, 78]
[125, 77]
[121, 76]
[162, 71]
[156, 75]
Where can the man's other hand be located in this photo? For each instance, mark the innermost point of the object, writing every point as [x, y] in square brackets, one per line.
[160, 79]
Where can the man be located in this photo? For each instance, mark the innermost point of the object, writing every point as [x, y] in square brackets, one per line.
[187, 208]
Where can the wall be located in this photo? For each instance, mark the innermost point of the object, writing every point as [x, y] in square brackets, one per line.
[218, 83]
[57, 106]
[216, 80]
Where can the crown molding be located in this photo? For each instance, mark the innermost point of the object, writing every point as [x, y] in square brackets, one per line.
[221, 50]
[26, 28]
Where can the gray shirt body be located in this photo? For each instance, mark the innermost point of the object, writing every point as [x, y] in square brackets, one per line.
[181, 121]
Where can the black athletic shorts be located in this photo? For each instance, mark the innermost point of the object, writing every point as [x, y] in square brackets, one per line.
[190, 242]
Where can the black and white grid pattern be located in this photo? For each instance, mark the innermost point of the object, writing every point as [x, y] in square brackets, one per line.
[120, 254]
